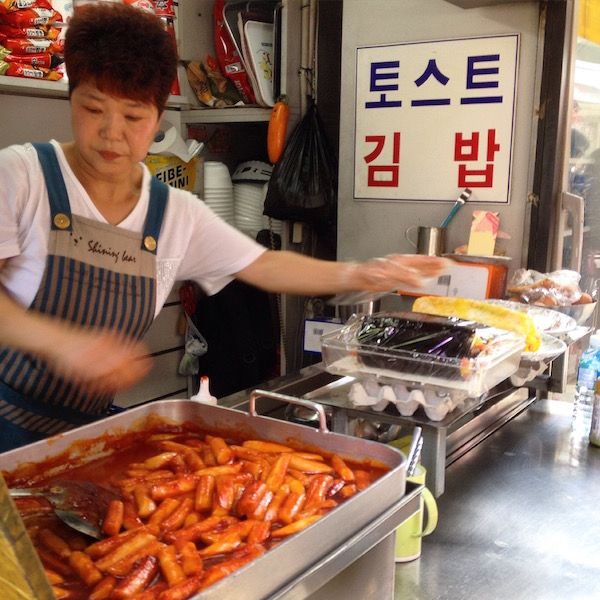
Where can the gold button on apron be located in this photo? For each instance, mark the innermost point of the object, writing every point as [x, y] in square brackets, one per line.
[62, 221]
[150, 243]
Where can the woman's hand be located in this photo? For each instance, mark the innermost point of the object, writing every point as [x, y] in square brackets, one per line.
[394, 271]
[99, 361]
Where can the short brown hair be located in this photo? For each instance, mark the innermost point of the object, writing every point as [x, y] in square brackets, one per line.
[123, 50]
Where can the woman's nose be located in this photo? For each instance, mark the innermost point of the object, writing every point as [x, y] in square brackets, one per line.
[112, 126]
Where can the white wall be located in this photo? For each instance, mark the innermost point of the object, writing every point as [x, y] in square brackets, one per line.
[29, 119]
[371, 228]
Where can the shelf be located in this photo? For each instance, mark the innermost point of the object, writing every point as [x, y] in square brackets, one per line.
[60, 89]
[57, 89]
[481, 3]
[33, 87]
[239, 114]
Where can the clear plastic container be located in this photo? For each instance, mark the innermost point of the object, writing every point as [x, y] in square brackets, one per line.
[344, 355]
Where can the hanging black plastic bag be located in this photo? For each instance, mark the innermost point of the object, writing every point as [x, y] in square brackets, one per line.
[303, 185]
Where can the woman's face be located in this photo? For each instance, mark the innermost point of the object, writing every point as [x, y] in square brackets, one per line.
[112, 134]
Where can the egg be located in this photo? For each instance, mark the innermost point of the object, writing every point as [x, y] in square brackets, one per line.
[550, 301]
[584, 299]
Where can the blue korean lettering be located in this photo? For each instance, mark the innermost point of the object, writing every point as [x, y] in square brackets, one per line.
[380, 73]
[474, 72]
[431, 70]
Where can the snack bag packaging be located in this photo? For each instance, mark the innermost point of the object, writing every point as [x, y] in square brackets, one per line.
[7, 6]
[44, 59]
[221, 87]
[198, 81]
[26, 45]
[164, 8]
[146, 5]
[228, 57]
[32, 17]
[23, 32]
[15, 69]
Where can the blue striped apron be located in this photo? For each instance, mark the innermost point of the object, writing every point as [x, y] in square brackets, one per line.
[96, 275]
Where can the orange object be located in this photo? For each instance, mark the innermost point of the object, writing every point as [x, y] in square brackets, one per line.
[114, 517]
[191, 563]
[84, 567]
[220, 449]
[309, 466]
[54, 543]
[277, 130]
[124, 566]
[341, 468]
[295, 527]
[169, 566]
[104, 588]
[204, 492]
[135, 582]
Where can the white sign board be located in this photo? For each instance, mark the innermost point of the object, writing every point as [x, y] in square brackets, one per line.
[433, 118]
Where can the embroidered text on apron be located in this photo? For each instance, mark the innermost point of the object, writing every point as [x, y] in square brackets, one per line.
[96, 275]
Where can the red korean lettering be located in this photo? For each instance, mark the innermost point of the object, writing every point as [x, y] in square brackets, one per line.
[383, 175]
[466, 150]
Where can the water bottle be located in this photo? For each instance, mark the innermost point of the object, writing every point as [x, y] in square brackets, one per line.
[595, 426]
[587, 373]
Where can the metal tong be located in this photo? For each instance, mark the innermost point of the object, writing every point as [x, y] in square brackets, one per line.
[414, 451]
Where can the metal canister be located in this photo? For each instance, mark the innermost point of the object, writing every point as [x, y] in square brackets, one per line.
[595, 428]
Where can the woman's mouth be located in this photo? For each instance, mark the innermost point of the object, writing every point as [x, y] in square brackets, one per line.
[108, 155]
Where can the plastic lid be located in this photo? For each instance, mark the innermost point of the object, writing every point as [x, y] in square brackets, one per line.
[595, 340]
[204, 394]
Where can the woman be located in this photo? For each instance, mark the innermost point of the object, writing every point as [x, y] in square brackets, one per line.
[91, 244]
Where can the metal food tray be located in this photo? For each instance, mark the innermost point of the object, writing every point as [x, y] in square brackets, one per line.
[285, 562]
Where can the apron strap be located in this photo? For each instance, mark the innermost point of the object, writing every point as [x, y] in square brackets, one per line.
[60, 209]
[159, 194]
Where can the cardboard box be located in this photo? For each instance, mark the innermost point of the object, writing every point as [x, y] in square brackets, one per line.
[173, 171]
[484, 229]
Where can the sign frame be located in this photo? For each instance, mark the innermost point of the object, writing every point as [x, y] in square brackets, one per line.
[476, 118]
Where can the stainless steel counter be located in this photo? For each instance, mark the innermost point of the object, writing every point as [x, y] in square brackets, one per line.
[444, 441]
[519, 519]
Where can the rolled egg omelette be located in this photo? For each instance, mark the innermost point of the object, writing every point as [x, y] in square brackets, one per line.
[485, 313]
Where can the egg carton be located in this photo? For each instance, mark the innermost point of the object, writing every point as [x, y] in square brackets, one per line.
[435, 402]
[527, 372]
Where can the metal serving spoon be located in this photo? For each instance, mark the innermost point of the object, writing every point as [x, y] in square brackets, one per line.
[80, 504]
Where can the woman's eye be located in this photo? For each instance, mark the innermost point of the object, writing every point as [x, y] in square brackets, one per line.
[92, 110]
[133, 118]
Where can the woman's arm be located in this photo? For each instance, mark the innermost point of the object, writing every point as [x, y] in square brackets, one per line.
[290, 272]
[102, 361]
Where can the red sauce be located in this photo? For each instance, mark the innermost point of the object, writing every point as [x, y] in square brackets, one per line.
[237, 512]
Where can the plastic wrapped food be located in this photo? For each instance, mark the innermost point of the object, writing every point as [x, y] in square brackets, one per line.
[559, 288]
[435, 337]
[421, 348]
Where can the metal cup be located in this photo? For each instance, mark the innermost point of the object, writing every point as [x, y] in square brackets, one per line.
[344, 312]
[431, 241]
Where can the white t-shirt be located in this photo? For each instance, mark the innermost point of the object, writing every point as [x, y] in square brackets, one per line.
[194, 243]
